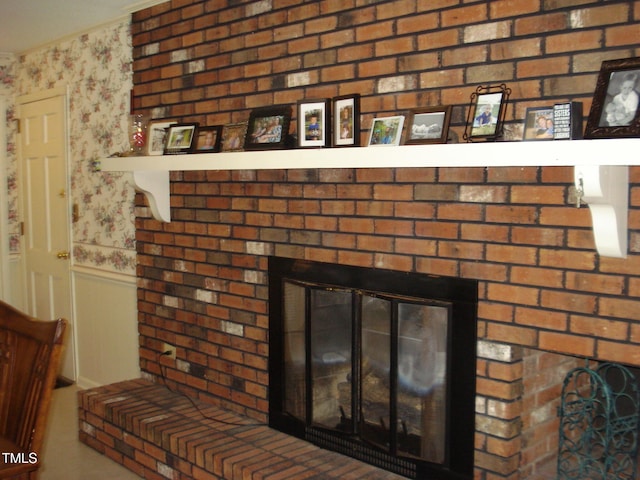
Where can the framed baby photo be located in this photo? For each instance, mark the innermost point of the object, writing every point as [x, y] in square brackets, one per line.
[180, 138]
[538, 123]
[615, 111]
[486, 113]
[346, 121]
[386, 131]
[208, 139]
[268, 128]
[157, 135]
[314, 125]
[428, 125]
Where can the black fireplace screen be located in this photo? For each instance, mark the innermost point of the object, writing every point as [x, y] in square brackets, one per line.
[380, 374]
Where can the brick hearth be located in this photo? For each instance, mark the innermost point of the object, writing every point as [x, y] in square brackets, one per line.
[160, 434]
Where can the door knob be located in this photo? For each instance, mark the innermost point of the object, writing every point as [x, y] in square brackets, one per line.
[63, 255]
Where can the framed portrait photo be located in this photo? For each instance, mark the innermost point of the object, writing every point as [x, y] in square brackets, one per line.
[314, 126]
[486, 113]
[428, 125]
[180, 138]
[268, 128]
[386, 131]
[539, 123]
[157, 135]
[232, 137]
[615, 109]
[208, 139]
[346, 121]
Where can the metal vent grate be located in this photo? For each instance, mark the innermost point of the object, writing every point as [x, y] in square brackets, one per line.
[360, 452]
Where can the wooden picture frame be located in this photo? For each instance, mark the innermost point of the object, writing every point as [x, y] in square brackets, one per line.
[615, 109]
[208, 139]
[428, 125]
[180, 138]
[157, 135]
[346, 121]
[386, 131]
[314, 124]
[233, 136]
[539, 124]
[268, 128]
[487, 109]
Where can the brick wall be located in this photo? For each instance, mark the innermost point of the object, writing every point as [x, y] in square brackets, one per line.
[202, 277]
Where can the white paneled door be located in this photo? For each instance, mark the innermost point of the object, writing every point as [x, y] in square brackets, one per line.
[45, 190]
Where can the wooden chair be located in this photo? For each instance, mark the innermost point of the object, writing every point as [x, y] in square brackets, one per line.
[30, 354]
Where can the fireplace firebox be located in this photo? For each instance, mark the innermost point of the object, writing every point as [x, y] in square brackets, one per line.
[376, 364]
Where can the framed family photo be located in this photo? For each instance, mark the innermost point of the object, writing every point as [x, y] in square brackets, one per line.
[428, 125]
[386, 131]
[539, 123]
[346, 121]
[180, 138]
[615, 111]
[486, 113]
[208, 139]
[267, 128]
[314, 126]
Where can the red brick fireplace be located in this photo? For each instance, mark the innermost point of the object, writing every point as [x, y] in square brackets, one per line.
[546, 298]
[542, 288]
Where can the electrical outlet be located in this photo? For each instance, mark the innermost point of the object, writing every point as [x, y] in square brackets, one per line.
[166, 347]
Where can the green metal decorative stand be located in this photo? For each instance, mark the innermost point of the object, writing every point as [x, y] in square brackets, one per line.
[599, 423]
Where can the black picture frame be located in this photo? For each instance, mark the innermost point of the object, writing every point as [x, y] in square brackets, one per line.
[615, 109]
[208, 139]
[268, 128]
[314, 123]
[346, 121]
[539, 124]
[487, 109]
[180, 138]
[428, 125]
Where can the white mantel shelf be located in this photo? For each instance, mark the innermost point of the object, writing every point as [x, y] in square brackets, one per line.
[601, 170]
[486, 154]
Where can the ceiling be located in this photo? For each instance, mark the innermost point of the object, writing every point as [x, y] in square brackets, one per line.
[27, 24]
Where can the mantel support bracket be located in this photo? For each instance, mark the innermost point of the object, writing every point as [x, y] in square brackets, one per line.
[155, 186]
[605, 188]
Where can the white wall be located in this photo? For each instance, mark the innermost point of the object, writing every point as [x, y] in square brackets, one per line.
[107, 327]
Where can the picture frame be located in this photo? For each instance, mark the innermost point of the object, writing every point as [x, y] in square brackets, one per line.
[615, 109]
[208, 139]
[180, 138]
[428, 125]
[268, 128]
[567, 121]
[346, 120]
[232, 137]
[539, 124]
[314, 124]
[487, 109]
[386, 131]
[157, 135]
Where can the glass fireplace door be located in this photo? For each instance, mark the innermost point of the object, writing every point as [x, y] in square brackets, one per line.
[391, 393]
[330, 342]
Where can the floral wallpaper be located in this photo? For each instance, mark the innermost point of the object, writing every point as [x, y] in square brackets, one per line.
[96, 69]
[7, 82]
